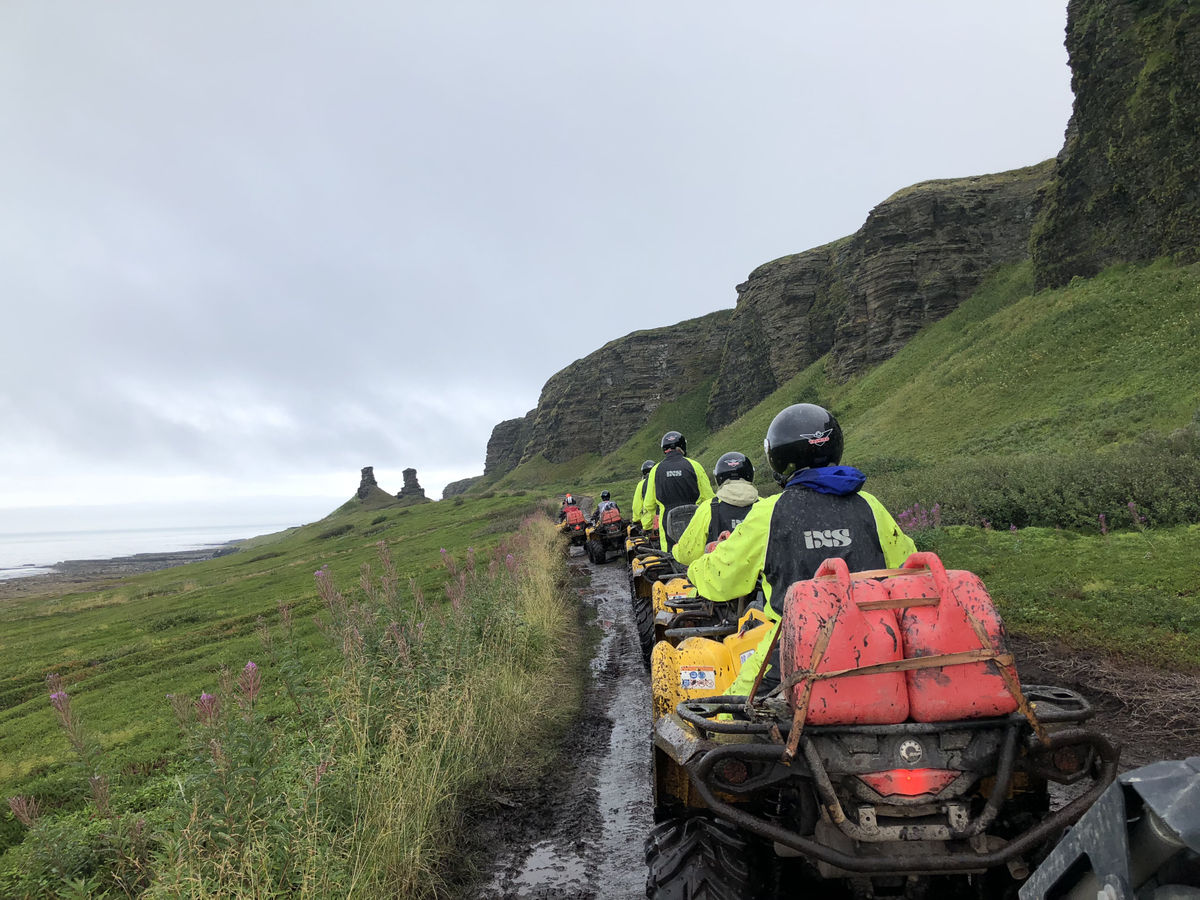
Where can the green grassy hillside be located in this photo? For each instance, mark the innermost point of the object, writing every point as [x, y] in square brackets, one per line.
[1086, 367]
[1069, 415]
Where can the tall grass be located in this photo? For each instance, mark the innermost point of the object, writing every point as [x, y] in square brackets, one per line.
[357, 787]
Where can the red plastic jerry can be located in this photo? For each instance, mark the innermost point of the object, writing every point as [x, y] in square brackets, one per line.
[966, 690]
[856, 638]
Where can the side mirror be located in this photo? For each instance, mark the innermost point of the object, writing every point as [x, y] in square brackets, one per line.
[677, 521]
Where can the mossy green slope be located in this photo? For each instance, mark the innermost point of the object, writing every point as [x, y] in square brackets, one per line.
[1093, 364]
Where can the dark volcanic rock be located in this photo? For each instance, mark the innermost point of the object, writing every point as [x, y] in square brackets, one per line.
[454, 488]
[595, 404]
[367, 482]
[784, 321]
[412, 492]
[920, 253]
[507, 444]
[1127, 185]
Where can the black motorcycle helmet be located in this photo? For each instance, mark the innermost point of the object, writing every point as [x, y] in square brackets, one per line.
[605, 495]
[673, 440]
[802, 436]
[733, 465]
[647, 466]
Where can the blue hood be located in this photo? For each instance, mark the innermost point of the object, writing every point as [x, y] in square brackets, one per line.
[829, 479]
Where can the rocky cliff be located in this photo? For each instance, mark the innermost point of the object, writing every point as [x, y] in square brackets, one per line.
[1127, 184]
[454, 488]
[411, 492]
[507, 444]
[920, 253]
[598, 402]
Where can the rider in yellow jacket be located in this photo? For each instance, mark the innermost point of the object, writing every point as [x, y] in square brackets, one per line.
[736, 493]
[674, 481]
[639, 493]
[822, 512]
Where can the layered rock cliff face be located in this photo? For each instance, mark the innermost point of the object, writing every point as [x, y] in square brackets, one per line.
[1127, 185]
[454, 488]
[597, 403]
[507, 444]
[784, 320]
[920, 253]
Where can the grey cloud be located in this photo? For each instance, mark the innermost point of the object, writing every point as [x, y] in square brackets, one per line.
[321, 233]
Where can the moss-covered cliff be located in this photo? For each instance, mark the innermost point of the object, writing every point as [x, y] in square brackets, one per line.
[1127, 185]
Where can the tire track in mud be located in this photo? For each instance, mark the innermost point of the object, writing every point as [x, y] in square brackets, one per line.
[580, 837]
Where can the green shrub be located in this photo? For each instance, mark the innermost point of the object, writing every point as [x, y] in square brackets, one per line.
[1151, 482]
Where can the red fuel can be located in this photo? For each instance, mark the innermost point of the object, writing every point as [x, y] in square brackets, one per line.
[966, 690]
[824, 610]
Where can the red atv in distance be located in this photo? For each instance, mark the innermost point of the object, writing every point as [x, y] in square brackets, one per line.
[572, 523]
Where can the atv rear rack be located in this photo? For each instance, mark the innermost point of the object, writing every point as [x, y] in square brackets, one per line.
[979, 850]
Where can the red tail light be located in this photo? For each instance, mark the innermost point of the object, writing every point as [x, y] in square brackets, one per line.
[909, 782]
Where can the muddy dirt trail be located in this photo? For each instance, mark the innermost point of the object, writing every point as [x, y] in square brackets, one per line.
[582, 838]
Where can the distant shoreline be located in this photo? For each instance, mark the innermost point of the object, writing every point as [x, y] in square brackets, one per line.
[80, 574]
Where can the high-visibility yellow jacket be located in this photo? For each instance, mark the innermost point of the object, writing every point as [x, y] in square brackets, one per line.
[639, 497]
[778, 545]
[674, 481]
[784, 539]
[732, 504]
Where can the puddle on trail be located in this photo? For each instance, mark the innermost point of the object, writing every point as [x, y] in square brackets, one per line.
[587, 842]
[548, 871]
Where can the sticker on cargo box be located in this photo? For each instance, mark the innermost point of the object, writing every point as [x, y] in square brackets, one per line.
[701, 678]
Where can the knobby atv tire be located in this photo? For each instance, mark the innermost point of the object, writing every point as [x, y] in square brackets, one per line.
[698, 858]
[596, 552]
[643, 611]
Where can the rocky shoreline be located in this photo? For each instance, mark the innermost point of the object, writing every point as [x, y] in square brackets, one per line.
[80, 574]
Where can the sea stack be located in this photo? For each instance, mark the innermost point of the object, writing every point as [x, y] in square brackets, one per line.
[368, 482]
[412, 492]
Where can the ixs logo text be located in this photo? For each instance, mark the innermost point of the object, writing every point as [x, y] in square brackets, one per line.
[837, 537]
[671, 474]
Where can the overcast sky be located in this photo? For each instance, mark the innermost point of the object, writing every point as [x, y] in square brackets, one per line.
[247, 248]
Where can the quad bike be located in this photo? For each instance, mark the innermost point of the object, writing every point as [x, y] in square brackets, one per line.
[573, 527]
[638, 540]
[899, 756]
[679, 614]
[606, 536]
[649, 568]
[1140, 839]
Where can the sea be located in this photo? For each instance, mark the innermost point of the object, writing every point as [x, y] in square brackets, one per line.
[33, 540]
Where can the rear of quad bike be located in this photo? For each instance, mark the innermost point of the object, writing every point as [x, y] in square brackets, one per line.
[575, 533]
[603, 539]
[899, 756]
[875, 810]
